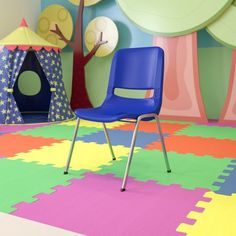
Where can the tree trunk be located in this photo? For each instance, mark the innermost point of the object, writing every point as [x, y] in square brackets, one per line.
[79, 95]
[182, 98]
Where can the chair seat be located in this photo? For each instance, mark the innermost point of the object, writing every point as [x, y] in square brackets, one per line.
[100, 115]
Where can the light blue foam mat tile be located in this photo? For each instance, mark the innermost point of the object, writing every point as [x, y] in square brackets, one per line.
[121, 137]
[228, 183]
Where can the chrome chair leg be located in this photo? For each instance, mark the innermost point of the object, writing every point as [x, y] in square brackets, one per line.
[109, 142]
[72, 147]
[163, 144]
[130, 156]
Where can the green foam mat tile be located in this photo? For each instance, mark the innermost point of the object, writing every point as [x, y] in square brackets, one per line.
[176, 122]
[59, 131]
[209, 132]
[187, 170]
[20, 181]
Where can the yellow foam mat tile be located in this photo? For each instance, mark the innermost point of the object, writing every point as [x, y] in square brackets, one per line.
[218, 217]
[86, 123]
[88, 156]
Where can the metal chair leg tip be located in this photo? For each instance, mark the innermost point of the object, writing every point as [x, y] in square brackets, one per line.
[122, 190]
[65, 172]
[113, 158]
[168, 171]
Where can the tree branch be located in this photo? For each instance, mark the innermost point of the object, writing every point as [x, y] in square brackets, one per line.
[61, 36]
[90, 55]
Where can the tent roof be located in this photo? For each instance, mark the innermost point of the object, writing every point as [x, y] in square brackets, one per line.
[24, 38]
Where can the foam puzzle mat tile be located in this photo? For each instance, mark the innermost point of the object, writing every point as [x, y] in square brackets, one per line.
[122, 137]
[150, 208]
[152, 205]
[227, 180]
[219, 148]
[218, 124]
[16, 128]
[58, 131]
[209, 132]
[176, 121]
[188, 170]
[20, 181]
[90, 124]
[89, 156]
[151, 127]
[218, 217]
[10, 144]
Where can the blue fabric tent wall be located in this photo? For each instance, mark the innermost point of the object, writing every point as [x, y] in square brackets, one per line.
[10, 65]
[28, 104]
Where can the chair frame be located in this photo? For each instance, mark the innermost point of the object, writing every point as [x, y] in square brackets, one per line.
[134, 137]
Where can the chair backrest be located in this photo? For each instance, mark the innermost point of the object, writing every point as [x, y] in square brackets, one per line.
[138, 69]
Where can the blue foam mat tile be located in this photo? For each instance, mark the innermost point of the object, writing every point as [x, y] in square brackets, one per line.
[228, 187]
[121, 137]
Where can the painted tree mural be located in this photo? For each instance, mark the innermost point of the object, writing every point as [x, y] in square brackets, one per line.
[176, 23]
[223, 30]
[182, 96]
[79, 97]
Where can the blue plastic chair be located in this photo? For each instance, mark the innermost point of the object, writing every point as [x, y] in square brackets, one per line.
[137, 69]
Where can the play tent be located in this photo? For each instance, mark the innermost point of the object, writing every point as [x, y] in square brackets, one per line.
[23, 50]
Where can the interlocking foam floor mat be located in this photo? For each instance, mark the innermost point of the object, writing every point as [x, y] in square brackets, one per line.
[143, 210]
[218, 148]
[14, 143]
[122, 137]
[218, 217]
[196, 198]
[58, 131]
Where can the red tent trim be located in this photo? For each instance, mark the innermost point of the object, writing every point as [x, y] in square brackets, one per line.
[27, 47]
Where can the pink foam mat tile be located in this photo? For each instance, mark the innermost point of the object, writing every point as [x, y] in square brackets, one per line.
[95, 206]
[17, 128]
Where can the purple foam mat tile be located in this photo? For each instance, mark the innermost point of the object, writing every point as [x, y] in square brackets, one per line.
[216, 123]
[17, 128]
[189, 222]
[95, 206]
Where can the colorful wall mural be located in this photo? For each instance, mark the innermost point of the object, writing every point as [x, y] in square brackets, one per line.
[214, 59]
[182, 97]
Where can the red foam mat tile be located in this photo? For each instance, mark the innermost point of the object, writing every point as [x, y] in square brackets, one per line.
[151, 127]
[199, 146]
[11, 144]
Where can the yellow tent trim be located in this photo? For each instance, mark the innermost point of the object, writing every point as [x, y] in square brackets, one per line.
[25, 36]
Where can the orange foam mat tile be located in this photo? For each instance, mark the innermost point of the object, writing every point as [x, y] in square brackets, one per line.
[151, 127]
[219, 148]
[11, 144]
